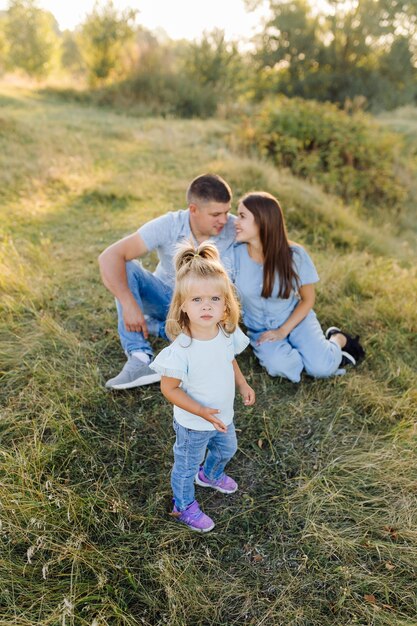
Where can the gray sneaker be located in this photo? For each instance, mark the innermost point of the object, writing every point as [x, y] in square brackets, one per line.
[135, 373]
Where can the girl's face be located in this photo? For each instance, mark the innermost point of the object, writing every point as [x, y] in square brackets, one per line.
[246, 228]
[205, 306]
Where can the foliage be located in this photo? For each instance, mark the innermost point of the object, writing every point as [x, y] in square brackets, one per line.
[32, 38]
[71, 58]
[148, 93]
[216, 64]
[350, 155]
[103, 35]
[361, 48]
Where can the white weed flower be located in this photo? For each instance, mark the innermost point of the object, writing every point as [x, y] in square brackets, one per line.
[29, 554]
[44, 572]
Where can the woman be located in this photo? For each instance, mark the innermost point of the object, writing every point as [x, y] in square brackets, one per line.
[275, 280]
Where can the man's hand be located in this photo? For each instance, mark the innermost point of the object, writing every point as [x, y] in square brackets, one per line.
[247, 394]
[134, 319]
[273, 335]
[209, 414]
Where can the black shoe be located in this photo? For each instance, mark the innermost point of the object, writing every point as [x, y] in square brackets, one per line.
[352, 352]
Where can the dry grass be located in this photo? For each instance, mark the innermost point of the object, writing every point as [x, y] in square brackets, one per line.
[322, 529]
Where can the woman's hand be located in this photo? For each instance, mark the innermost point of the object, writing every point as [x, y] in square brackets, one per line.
[273, 335]
[247, 394]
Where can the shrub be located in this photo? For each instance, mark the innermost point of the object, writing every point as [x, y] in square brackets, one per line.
[148, 93]
[350, 155]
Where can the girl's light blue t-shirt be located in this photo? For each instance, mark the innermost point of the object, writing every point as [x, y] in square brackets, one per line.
[260, 313]
[206, 371]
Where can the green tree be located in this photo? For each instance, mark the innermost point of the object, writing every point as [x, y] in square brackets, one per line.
[32, 38]
[289, 46]
[341, 53]
[103, 35]
[71, 58]
[215, 63]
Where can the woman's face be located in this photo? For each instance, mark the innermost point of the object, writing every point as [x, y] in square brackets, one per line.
[246, 228]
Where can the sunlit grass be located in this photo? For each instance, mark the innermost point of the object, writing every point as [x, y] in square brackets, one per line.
[322, 529]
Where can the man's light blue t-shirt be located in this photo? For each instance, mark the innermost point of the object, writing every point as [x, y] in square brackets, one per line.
[206, 371]
[164, 233]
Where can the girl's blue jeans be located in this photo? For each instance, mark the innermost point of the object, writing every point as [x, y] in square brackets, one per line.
[189, 451]
[154, 297]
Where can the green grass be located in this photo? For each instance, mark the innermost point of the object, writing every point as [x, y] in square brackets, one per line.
[322, 531]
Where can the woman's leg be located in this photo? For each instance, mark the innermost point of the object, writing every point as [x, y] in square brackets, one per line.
[189, 449]
[279, 358]
[321, 357]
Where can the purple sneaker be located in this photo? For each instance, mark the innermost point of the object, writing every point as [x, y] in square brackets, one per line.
[225, 484]
[194, 518]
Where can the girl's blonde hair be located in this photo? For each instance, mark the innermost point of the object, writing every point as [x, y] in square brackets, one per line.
[193, 265]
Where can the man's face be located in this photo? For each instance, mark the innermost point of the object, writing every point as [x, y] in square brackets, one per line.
[209, 218]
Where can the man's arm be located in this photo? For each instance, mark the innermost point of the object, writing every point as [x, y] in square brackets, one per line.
[113, 273]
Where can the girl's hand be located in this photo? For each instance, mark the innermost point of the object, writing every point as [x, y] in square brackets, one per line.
[247, 394]
[209, 414]
[272, 335]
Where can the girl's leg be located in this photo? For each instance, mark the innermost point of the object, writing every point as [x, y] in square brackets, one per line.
[279, 358]
[221, 448]
[189, 449]
[321, 357]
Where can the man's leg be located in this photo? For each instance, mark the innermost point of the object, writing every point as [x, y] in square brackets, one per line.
[154, 297]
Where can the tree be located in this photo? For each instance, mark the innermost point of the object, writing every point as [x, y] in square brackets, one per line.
[215, 63]
[32, 38]
[71, 58]
[102, 37]
[289, 47]
[341, 51]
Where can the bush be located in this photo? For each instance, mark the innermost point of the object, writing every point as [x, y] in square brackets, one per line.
[351, 156]
[148, 93]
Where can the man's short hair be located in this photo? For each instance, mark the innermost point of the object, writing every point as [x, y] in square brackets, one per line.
[208, 188]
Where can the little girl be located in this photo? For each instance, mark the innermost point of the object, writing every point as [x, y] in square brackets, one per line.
[199, 372]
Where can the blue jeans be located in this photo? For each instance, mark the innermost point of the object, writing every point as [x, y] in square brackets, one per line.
[189, 450]
[305, 348]
[154, 297]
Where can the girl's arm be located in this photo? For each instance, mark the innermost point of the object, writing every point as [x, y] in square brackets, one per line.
[307, 295]
[245, 391]
[170, 388]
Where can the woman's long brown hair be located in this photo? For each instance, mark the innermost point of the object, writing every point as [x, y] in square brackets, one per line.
[275, 244]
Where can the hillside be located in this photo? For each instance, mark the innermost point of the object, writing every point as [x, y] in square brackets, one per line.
[322, 531]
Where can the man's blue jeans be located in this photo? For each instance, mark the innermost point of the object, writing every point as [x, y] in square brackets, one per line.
[189, 450]
[154, 297]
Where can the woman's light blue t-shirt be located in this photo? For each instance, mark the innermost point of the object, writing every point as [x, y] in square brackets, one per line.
[206, 371]
[268, 313]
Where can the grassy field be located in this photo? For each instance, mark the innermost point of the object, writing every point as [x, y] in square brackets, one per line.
[323, 528]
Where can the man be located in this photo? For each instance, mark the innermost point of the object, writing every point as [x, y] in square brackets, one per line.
[143, 298]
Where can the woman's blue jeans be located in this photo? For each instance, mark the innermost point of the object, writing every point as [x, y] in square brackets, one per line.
[189, 451]
[154, 297]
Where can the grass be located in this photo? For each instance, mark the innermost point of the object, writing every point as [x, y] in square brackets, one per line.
[322, 529]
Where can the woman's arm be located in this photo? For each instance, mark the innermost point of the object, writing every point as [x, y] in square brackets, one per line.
[306, 303]
[170, 388]
[245, 391]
